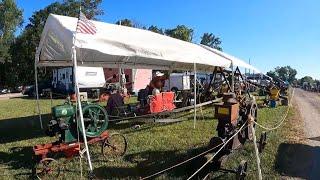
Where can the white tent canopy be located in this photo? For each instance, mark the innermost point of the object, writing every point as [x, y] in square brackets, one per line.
[235, 61]
[120, 46]
[115, 45]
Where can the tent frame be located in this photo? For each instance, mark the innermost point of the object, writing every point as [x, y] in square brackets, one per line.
[77, 92]
[124, 64]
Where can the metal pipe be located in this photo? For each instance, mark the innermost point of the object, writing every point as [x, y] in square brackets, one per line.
[195, 95]
[77, 91]
[36, 85]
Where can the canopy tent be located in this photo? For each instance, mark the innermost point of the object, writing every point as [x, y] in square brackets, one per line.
[115, 45]
[120, 46]
[235, 61]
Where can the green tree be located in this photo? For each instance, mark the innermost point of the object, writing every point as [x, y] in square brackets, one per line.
[125, 22]
[23, 50]
[285, 73]
[307, 79]
[156, 29]
[211, 40]
[181, 32]
[10, 19]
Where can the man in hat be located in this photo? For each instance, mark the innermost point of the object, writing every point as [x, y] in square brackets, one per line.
[157, 83]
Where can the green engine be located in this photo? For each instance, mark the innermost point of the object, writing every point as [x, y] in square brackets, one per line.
[66, 123]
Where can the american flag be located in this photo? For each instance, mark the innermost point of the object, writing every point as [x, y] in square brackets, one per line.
[85, 26]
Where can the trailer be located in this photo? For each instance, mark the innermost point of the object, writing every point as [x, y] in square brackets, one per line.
[91, 80]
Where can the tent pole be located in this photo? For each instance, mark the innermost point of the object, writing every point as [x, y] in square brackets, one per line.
[195, 95]
[169, 79]
[74, 54]
[119, 77]
[36, 85]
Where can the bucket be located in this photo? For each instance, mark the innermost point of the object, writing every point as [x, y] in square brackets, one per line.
[273, 103]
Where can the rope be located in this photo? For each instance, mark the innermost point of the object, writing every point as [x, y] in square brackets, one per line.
[181, 163]
[256, 150]
[282, 120]
[224, 144]
[269, 129]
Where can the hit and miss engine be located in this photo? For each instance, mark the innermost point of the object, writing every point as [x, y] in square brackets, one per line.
[66, 124]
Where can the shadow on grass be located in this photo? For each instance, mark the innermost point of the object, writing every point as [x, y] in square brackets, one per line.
[18, 158]
[150, 162]
[298, 160]
[22, 128]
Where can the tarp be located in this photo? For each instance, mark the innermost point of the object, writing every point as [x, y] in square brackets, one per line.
[236, 61]
[115, 45]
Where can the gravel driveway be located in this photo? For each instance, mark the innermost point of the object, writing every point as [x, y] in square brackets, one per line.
[309, 106]
[10, 95]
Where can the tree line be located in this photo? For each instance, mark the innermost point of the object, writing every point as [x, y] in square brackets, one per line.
[287, 73]
[17, 52]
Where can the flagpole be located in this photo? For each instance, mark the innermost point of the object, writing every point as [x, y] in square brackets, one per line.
[77, 91]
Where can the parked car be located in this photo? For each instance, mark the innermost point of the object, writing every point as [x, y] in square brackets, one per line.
[4, 91]
[17, 89]
[30, 90]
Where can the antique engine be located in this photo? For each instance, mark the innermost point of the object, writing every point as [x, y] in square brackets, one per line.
[233, 113]
[227, 114]
[66, 124]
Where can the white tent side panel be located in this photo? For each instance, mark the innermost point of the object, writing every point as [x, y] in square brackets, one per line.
[115, 45]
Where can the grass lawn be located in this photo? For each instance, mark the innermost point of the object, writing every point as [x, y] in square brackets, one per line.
[151, 148]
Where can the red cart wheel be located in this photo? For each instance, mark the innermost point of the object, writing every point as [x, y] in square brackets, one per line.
[47, 168]
[114, 146]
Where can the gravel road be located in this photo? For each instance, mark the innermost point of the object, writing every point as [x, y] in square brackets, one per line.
[309, 106]
[10, 95]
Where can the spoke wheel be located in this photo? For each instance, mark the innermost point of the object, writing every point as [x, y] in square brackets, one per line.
[95, 120]
[242, 137]
[47, 168]
[114, 146]
[262, 141]
[253, 113]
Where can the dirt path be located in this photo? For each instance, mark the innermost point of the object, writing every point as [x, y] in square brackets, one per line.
[309, 106]
[10, 95]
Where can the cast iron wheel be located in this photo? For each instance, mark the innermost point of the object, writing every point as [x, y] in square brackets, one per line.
[242, 135]
[253, 112]
[114, 146]
[262, 141]
[95, 120]
[242, 170]
[47, 168]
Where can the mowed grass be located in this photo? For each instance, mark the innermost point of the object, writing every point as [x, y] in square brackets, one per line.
[151, 148]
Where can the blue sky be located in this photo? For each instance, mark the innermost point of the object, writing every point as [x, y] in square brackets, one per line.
[271, 33]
